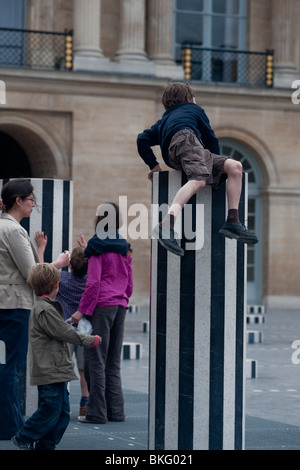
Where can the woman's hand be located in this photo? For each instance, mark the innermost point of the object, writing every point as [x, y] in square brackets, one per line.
[41, 243]
[76, 317]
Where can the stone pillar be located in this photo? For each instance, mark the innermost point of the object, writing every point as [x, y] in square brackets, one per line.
[160, 38]
[54, 215]
[87, 51]
[285, 31]
[197, 328]
[132, 31]
[131, 54]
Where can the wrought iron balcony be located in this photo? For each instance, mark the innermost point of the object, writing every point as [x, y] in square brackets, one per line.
[36, 49]
[227, 66]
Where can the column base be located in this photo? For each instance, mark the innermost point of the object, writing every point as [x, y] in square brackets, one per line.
[169, 70]
[284, 77]
[91, 60]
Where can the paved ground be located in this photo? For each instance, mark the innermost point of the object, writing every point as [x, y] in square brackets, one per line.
[272, 398]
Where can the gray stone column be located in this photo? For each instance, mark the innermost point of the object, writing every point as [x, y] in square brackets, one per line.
[285, 32]
[131, 54]
[160, 38]
[87, 51]
[159, 31]
[197, 327]
[132, 31]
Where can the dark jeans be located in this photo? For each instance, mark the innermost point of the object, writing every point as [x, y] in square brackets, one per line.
[14, 333]
[102, 367]
[48, 424]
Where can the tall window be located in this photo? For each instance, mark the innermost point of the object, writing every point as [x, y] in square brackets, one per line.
[12, 15]
[237, 151]
[213, 26]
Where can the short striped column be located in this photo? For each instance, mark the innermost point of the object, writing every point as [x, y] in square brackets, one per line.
[197, 327]
[54, 215]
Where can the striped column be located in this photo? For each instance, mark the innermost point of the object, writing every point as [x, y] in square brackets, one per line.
[54, 215]
[197, 327]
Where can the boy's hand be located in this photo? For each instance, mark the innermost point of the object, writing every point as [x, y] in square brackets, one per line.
[82, 241]
[96, 342]
[154, 170]
[99, 339]
[62, 260]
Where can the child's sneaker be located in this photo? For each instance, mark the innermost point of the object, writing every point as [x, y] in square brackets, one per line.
[22, 444]
[239, 232]
[168, 239]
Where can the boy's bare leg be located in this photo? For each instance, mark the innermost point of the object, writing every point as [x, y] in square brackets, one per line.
[234, 171]
[233, 227]
[181, 198]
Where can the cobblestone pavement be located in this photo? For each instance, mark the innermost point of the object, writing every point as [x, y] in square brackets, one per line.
[272, 398]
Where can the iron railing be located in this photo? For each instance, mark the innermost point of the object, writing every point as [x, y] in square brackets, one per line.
[236, 67]
[36, 49]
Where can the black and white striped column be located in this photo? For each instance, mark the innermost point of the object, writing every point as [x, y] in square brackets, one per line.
[197, 327]
[54, 215]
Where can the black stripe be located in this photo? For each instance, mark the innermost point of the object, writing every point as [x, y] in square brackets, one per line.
[66, 216]
[240, 331]
[186, 342]
[217, 321]
[47, 217]
[161, 302]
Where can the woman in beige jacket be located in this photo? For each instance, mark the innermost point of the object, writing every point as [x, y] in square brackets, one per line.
[17, 256]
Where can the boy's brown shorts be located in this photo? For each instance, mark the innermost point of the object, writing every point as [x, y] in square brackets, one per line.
[187, 154]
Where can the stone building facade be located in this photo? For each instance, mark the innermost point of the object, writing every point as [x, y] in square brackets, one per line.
[81, 124]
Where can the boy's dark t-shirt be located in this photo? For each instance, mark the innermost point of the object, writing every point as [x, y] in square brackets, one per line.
[175, 118]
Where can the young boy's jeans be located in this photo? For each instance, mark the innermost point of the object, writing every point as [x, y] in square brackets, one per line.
[48, 424]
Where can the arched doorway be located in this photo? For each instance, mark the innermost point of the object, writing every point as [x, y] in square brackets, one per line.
[32, 148]
[14, 161]
[238, 151]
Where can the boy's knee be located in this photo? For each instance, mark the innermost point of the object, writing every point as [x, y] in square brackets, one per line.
[235, 168]
[197, 184]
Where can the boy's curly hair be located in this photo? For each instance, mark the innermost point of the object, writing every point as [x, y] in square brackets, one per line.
[42, 277]
[177, 92]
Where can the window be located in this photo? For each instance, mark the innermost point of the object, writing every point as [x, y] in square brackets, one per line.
[212, 24]
[12, 15]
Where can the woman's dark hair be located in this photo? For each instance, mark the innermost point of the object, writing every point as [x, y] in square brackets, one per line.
[78, 262]
[177, 92]
[112, 212]
[20, 187]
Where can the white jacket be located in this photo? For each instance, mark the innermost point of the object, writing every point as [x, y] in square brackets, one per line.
[17, 256]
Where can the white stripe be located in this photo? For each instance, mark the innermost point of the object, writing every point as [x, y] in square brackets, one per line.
[229, 344]
[57, 219]
[172, 332]
[71, 198]
[202, 328]
[36, 216]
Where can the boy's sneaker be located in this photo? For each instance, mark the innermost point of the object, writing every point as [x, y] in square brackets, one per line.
[239, 232]
[168, 239]
[22, 444]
